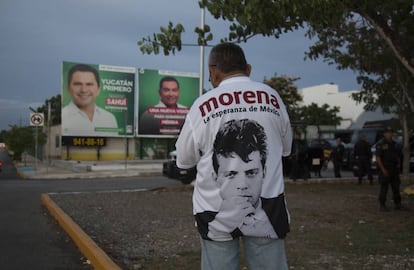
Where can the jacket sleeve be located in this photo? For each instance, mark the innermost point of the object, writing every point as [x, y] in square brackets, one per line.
[187, 154]
[286, 134]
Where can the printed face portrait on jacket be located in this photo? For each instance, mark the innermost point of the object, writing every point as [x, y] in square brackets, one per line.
[239, 159]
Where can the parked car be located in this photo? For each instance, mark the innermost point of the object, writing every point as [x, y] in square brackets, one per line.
[170, 169]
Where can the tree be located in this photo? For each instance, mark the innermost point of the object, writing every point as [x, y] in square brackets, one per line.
[372, 37]
[56, 105]
[288, 92]
[2, 135]
[356, 45]
[21, 139]
[324, 115]
[393, 21]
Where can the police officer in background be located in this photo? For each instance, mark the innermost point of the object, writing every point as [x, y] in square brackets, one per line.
[337, 156]
[362, 156]
[388, 161]
[299, 156]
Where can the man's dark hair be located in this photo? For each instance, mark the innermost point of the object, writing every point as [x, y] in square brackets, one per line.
[83, 68]
[228, 57]
[168, 79]
[241, 137]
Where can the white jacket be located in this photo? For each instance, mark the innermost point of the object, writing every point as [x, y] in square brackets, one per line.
[220, 218]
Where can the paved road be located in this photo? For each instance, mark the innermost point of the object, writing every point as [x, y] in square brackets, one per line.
[8, 170]
[30, 238]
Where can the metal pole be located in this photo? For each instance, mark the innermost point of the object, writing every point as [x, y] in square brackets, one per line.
[126, 139]
[36, 149]
[48, 136]
[202, 56]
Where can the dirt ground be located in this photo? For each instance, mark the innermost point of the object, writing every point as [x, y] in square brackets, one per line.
[333, 226]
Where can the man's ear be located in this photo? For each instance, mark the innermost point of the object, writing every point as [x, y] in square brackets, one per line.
[216, 78]
[248, 69]
[264, 171]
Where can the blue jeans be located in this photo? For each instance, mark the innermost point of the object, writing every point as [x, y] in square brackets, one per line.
[260, 253]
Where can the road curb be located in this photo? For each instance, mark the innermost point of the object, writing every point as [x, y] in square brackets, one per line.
[345, 180]
[22, 175]
[98, 258]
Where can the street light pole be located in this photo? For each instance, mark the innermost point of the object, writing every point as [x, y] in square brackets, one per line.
[202, 55]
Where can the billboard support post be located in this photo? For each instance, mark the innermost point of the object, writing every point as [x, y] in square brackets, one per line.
[126, 139]
[48, 136]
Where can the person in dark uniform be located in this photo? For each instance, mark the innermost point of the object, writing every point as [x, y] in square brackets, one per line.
[337, 156]
[388, 160]
[363, 156]
[299, 158]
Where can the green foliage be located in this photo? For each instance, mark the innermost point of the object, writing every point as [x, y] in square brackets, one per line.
[375, 38]
[392, 21]
[284, 85]
[169, 39]
[324, 115]
[21, 139]
[255, 17]
[55, 105]
[2, 135]
[354, 43]
[203, 35]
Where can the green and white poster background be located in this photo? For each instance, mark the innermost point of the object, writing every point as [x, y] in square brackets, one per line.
[148, 86]
[116, 95]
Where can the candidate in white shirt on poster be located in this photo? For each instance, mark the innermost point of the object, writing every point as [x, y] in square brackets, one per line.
[82, 117]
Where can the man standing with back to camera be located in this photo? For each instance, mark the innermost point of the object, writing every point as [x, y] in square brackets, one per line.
[239, 189]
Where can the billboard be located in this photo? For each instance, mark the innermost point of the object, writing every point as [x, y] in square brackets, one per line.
[164, 99]
[98, 100]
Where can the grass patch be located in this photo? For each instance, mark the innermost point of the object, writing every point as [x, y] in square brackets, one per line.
[333, 226]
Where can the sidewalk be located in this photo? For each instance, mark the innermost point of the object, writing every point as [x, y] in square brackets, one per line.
[72, 169]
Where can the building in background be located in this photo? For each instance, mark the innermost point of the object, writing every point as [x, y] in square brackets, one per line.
[353, 114]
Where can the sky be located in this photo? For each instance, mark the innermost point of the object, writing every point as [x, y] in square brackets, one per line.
[37, 36]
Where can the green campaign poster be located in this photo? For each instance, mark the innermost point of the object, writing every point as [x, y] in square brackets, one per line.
[164, 99]
[98, 100]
